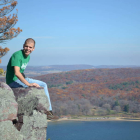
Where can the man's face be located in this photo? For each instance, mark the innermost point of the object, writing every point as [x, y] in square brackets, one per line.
[28, 48]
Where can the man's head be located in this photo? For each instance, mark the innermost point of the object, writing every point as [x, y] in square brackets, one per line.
[28, 46]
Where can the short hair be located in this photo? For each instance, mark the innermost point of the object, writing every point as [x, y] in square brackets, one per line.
[29, 40]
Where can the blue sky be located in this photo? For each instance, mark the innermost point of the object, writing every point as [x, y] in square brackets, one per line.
[95, 32]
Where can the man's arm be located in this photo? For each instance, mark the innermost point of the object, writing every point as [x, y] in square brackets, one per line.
[22, 79]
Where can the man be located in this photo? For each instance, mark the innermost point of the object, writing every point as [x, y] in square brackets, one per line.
[15, 68]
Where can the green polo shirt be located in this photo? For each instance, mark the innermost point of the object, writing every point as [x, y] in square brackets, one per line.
[17, 59]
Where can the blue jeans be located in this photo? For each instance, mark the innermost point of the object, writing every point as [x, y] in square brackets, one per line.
[18, 83]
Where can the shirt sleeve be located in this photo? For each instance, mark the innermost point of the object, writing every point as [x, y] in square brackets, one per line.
[16, 60]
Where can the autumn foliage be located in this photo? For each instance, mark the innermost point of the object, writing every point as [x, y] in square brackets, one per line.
[7, 23]
[106, 89]
[3, 52]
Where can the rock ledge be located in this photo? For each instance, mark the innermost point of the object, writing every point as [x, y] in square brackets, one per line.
[22, 113]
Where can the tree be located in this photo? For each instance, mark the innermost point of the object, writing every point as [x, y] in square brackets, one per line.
[1, 71]
[7, 23]
[107, 106]
[117, 109]
[117, 103]
[3, 52]
[126, 108]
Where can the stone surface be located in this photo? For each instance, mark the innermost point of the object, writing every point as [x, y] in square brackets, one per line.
[34, 126]
[30, 99]
[32, 103]
[8, 104]
[9, 132]
[25, 107]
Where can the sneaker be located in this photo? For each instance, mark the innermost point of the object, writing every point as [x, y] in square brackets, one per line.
[50, 116]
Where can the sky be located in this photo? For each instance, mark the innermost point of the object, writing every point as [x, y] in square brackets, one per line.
[67, 32]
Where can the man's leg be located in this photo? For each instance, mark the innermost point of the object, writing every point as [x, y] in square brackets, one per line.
[18, 83]
[15, 85]
[44, 85]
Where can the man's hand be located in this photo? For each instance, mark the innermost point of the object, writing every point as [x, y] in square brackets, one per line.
[33, 85]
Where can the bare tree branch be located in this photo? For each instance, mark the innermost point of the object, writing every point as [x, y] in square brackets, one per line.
[4, 2]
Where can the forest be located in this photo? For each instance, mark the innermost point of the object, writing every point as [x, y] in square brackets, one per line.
[94, 91]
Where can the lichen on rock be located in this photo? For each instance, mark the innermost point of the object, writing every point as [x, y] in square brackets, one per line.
[34, 126]
[8, 104]
[9, 132]
[35, 97]
[22, 113]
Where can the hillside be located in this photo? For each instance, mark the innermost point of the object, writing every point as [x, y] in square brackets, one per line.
[32, 71]
[94, 91]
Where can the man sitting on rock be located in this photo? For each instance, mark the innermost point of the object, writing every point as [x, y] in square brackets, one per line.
[15, 68]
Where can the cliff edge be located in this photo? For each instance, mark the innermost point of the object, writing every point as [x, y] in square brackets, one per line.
[22, 113]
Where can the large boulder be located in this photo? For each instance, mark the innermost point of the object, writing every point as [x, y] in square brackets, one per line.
[30, 99]
[32, 106]
[8, 104]
[9, 132]
[34, 127]
[23, 113]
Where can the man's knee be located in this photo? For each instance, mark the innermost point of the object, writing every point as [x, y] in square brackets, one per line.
[42, 84]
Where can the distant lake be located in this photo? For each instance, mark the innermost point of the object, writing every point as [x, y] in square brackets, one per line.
[94, 130]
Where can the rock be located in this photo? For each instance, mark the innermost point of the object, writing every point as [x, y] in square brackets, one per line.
[32, 104]
[34, 126]
[8, 104]
[9, 132]
[22, 113]
[30, 99]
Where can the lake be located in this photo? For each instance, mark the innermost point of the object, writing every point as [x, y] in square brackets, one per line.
[94, 130]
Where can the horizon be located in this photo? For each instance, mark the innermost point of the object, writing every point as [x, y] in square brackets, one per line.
[74, 65]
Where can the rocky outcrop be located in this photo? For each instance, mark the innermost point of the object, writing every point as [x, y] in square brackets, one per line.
[22, 113]
[8, 104]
